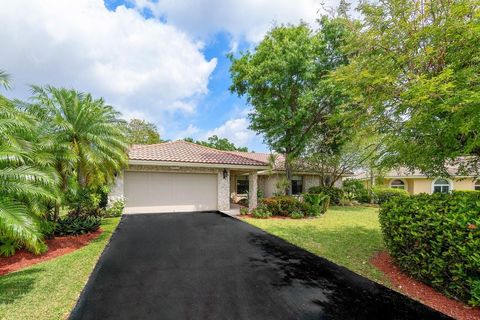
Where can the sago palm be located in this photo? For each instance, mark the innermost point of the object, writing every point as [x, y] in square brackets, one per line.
[26, 182]
[88, 139]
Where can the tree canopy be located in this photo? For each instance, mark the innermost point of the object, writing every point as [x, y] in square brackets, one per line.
[142, 132]
[286, 81]
[218, 143]
[414, 75]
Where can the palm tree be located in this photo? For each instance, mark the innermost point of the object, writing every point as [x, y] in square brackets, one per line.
[26, 182]
[4, 79]
[89, 142]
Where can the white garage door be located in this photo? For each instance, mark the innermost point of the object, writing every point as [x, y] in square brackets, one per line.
[148, 192]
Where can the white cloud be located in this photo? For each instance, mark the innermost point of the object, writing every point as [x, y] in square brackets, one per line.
[140, 64]
[189, 132]
[247, 19]
[235, 130]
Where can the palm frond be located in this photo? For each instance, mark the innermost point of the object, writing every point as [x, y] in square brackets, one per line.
[15, 223]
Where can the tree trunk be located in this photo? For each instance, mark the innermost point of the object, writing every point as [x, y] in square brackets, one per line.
[288, 172]
[56, 212]
[372, 182]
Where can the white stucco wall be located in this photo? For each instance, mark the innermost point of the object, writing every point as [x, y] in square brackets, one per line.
[268, 183]
[117, 191]
[310, 181]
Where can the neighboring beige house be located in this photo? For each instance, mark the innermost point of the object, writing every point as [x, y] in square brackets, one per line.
[180, 176]
[416, 182]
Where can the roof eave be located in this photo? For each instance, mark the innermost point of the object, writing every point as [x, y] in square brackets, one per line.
[195, 164]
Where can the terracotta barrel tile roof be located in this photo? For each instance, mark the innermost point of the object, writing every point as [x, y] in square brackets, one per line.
[263, 157]
[183, 151]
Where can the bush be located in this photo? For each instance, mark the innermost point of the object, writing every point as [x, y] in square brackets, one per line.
[335, 194]
[382, 195]
[436, 239]
[47, 228]
[297, 215]
[284, 205]
[318, 203]
[364, 197]
[76, 225]
[8, 247]
[115, 208]
[261, 212]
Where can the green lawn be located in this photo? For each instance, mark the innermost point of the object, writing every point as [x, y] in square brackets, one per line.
[348, 236]
[50, 289]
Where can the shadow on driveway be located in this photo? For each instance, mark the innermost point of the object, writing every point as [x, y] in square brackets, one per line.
[211, 266]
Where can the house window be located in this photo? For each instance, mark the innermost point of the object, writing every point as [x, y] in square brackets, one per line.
[242, 184]
[297, 185]
[441, 185]
[397, 184]
[477, 185]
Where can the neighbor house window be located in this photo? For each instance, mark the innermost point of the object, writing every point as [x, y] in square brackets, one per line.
[477, 185]
[242, 184]
[397, 184]
[441, 185]
[297, 185]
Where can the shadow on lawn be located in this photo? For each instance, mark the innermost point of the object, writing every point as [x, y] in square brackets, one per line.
[15, 285]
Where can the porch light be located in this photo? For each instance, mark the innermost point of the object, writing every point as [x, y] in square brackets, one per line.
[225, 173]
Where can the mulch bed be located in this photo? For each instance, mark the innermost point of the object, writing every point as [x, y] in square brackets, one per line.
[422, 292]
[57, 246]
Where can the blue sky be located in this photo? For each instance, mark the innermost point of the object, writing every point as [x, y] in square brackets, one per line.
[160, 60]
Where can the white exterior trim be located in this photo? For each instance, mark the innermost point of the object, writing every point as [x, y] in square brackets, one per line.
[405, 184]
[450, 184]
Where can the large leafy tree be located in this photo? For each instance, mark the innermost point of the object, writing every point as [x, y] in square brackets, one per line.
[286, 81]
[218, 143]
[85, 133]
[27, 182]
[414, 74]
[142, 132]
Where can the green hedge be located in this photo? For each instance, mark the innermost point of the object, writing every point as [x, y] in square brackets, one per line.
[287, 206]
[436, 239]
[382, 195]
[284, 205]
[335, 194]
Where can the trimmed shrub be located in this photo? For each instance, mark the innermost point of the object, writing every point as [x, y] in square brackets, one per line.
[318, 203]
[261, 212]
[284, 205]
[297, 215]
[382, 195]
[335, 194]
[436, 239]
[76, 225]
[115, 208]
[355, 190]
[364, 197]
[244, 211]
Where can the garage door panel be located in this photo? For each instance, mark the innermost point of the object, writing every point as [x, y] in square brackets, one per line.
[148, 192]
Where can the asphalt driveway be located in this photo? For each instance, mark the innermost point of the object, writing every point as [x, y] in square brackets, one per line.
[211, 266]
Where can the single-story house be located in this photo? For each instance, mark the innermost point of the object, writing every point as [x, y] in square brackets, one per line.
[182, 176]
[416, 182]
